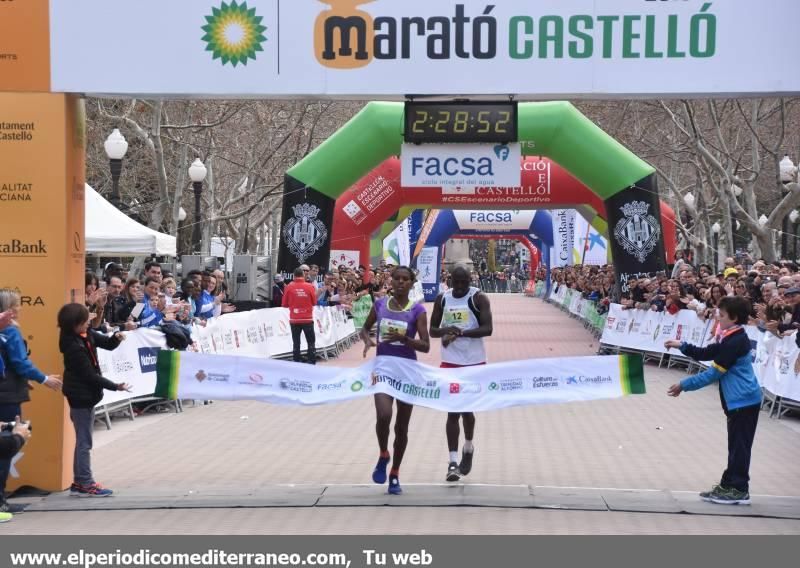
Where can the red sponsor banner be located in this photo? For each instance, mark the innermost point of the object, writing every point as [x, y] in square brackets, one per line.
[361, 210]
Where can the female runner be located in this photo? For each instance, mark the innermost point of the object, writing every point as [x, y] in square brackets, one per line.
[399, 321]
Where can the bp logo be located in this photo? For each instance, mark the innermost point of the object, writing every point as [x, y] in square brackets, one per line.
[356, 386]
[234, 33]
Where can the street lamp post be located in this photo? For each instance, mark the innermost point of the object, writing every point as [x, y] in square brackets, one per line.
[116, 147]
[737, 193]
[787, 174]
[181, 219]
[715, 230]
[794, 217]
[197, 173]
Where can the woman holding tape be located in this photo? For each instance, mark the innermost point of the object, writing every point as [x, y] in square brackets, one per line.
[399, 321]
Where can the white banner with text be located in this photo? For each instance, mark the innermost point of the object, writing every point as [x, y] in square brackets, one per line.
[485, 387]
[547, 49]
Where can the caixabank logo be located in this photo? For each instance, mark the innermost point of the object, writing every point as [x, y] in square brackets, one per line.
[233, 33]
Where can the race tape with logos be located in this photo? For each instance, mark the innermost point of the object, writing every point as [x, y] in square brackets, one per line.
[479, 388]
[256, 334]
[646, 331]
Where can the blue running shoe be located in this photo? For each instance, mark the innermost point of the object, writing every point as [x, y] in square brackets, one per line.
[379, 473]
[394, 485]
[93, 490]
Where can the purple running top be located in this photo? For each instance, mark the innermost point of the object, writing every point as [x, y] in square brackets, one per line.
[390, 320]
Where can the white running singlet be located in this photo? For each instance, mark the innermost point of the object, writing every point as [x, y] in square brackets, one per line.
[458, 312]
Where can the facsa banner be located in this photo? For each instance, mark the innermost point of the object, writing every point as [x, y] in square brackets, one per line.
[489, 221]
[488, 387]
[563, 236]
[461, 165]
[368, 48]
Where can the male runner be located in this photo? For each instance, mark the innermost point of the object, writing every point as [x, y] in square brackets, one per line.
[462, 317]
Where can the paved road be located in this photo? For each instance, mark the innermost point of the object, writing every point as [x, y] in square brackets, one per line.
[643, 442]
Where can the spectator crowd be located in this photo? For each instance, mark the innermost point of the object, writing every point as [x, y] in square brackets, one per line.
[342, 286]
[772, 289]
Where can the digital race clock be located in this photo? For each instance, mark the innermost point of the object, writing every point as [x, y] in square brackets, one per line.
[476, 121]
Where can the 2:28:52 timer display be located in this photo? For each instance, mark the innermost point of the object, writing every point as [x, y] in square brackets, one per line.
[476, 122]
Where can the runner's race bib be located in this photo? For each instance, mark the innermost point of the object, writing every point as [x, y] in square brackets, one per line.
[392, 326]
[456, 317]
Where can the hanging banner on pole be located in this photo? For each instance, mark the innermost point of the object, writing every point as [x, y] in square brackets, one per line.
[635, 232]
[563, 236]
[428, 266]
[305, 227]
[397, 246]
[427, 227]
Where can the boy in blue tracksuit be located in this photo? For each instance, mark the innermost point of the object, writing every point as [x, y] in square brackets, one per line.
[739, 393]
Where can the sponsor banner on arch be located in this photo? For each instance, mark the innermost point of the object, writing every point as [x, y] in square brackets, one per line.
[494, 221]
[388, 47]
[460, 165]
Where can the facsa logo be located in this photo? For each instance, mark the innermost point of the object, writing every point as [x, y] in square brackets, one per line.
[452, 167]
[490, 217]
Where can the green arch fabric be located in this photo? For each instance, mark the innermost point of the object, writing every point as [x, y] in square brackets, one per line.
[556, 130]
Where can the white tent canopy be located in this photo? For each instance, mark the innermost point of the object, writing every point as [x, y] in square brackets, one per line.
[110, 232]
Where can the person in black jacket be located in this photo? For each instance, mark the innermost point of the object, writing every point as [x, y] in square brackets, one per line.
[83, 387]
[12, 442]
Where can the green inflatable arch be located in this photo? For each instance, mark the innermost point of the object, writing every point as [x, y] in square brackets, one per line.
[556, 130]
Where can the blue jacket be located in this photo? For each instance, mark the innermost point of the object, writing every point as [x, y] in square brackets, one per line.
[205, 306]
[149, 317]
[18, 368]
[732, 366]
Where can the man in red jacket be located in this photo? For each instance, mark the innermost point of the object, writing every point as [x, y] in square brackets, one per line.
[300, 297]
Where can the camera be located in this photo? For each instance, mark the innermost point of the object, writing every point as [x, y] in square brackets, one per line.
[9, 426]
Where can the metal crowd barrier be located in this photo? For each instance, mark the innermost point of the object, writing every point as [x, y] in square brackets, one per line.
[776, 406]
